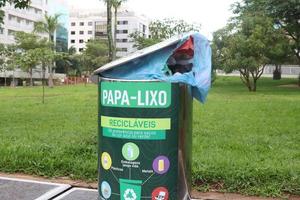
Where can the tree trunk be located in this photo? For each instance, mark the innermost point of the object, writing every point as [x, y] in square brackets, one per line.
[109, 30]
[244, 76]
[277, 72]
[254, 85]
[30, 74]
[5, 83]
[13, 83]
[298, 57]
[43, 83]
[115, 34]
[50, 78]
[51, 68]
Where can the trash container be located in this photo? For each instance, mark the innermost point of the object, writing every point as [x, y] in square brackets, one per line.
[144, 139]
[145, 132]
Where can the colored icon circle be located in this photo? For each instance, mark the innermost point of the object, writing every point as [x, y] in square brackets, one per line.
[106, 161]
[160, 193]
[130, 151]
[105, 190]
[161, 164]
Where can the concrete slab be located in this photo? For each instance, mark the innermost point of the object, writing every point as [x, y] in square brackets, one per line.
[20, 189]
[79, 194]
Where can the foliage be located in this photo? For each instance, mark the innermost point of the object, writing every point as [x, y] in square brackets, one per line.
[17, 3]
[94, 56]
[161, 30]
[71, 62]
[26, 41]
[7, 54]
[49, 25]
[110, 39]
[28, 45]
[247, 44]
[116, 4]
[285, 14]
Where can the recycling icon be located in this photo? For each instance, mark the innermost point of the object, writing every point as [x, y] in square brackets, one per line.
[129, 194]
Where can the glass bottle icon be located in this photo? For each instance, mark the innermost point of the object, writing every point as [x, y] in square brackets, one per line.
[130, 151]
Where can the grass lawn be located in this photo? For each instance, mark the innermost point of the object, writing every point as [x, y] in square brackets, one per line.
[243, 142]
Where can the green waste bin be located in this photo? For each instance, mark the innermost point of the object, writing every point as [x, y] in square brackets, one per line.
[145, 140]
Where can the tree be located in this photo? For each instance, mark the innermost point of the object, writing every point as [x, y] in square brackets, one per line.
[285, 15]
[161, 30]
[94, 56]
[49, 25]
[27, 61]
[2, 61]
[116, 4]
[25, 57]
[45, 56]
[111, 46]
[245, 44]
[17, 3]
[8, 62]
[280, 53]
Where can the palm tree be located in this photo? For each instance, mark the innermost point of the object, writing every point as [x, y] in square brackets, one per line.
[49, 25]
[111, 47]
[116, 4]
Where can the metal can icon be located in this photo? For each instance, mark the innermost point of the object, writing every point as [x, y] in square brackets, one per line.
[161, 165]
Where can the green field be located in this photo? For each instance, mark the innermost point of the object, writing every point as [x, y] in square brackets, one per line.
[243, 142]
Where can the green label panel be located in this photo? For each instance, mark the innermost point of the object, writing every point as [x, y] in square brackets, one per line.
[136, 94]
[136, 123]
[134, 134]
[138, 140]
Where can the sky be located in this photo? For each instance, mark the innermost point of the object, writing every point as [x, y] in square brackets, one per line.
[211, 14]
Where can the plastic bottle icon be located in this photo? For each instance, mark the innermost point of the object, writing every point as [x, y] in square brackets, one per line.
[161, 165]
[105, 160]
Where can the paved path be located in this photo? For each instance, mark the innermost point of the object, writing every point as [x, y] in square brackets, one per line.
[23, 187]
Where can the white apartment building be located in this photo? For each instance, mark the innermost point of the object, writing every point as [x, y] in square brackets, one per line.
[86, 25]
[21, 19]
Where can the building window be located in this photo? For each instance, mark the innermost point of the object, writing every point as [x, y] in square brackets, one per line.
[81, 23]
[72, 41]
[81, 32]
[72, 32]
[11, 32]
[122, 31]
[90, 23]
[73, 24]
[1, 30]
[122, 40]
[122, 22]
[81, 41]
[11, 17]
[80, 49]
[122, 49]
[90, 32]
